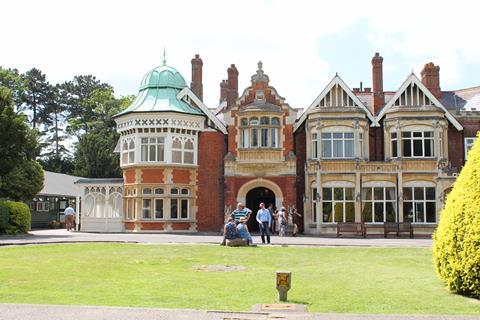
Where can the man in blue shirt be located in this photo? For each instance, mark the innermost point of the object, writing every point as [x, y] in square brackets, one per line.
[264, 220]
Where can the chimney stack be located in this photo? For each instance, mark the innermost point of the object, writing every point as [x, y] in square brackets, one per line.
[196, 85]
[431, 79]
[223, 90]
[232, 90]
[377, 85]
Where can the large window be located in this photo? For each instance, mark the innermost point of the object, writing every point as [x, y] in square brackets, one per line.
[128, 151]
[179, 203]
[338, 205]
[259, 133]
[337, 145]
[152, 203]
[153, 149]
[419, 205]
[379, 205]
[468, 145]
[416, 144]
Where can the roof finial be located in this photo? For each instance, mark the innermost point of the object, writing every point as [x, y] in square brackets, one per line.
[260, 64]
[164, 57]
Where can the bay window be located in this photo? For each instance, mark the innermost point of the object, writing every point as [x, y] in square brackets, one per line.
[415, 144]
[419, 205]
[263, 133]
[379, 204]
[337, 145]
[153, 149]
[338, 205]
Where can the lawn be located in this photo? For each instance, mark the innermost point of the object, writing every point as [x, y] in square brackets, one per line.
[343, 280]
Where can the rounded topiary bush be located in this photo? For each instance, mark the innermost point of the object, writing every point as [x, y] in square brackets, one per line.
[19, 217]
[456, 242]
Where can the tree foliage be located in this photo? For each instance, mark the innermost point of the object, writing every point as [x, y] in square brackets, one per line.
[456, 246]
[21, 177]
[37, 95]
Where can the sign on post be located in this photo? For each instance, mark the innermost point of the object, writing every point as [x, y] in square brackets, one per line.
[284, 280]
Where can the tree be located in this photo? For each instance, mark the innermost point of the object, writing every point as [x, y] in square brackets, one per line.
[11, 79]
[77, 95]
[95, 156]
[456, 245]
[36, 95]
[21, 177]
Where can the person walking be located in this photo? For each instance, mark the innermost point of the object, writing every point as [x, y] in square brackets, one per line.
[240, 212]
[282, 221]
[264, 220]
[69, 218]
[295, 220]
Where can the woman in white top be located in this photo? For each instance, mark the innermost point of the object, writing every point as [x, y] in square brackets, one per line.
[282, 221]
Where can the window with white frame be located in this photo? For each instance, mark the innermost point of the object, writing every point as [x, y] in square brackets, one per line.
[314, 205]
[153, 203]
[43, 206]
[128, 151]
[338, 205]
[419, 205]
[337, 145]
[314, 145]
[394, 140]
[179, 203]
[259, 133]
[177, 150]
[153, 149]
[378, 204]
[468, 145]
[416, 144]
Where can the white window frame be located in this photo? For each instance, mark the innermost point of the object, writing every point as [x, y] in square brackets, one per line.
[383, 201]
[332, 141]
[156, 144]
[423, 201]
[43, 206]
[468, 145]
[314, 152]
[334, 201]
[257, 133]
[412, 140]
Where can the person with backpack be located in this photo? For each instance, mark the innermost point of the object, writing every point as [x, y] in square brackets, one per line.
[283, 221]
[229, 231]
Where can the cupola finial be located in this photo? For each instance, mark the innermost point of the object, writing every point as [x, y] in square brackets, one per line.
[164, 57]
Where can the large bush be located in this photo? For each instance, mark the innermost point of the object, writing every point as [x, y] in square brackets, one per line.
[456, 246]
[19, 217]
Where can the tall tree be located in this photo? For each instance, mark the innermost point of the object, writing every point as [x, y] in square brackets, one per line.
[78, 100]
[95, 156]
[21, 177]
[12, 79]
[36, 95]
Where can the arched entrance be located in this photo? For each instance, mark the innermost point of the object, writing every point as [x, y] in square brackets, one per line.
[253, 199]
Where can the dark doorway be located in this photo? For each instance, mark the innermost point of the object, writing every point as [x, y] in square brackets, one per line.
[254, 197]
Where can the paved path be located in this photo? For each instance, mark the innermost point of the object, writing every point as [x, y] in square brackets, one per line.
[54, 312]
[61, 236]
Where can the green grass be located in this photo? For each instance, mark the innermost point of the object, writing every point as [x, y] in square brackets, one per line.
[343, 280]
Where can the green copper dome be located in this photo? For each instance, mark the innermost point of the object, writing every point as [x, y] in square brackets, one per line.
[161, 77]
[158, 93]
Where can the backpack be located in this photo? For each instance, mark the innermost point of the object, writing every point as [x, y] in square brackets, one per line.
[230, 232]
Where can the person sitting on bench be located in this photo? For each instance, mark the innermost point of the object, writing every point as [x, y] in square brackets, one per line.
[242, 231]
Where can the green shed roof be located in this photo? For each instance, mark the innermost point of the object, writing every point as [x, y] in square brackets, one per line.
[158, 93]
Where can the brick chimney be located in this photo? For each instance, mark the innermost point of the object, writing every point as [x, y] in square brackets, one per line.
[431, 79]
[377, 83]
[232, 90]
[223, 90]
[196, 85]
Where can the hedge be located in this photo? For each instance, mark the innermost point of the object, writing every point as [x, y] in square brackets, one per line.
[456, 246]
[4, 217]
[19, 217]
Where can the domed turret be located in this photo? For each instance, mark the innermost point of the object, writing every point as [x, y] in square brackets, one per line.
[163, 77]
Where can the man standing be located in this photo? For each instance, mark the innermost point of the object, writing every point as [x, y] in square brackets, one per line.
[264, 220]
[69, 218]
[241, 211]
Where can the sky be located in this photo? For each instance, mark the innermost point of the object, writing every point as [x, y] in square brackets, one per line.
[302, 44]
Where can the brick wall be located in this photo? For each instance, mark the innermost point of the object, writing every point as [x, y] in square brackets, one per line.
[210, 195]
[181, 176]
[152, 176]
[376, 151]
[129, 176]
[456, 153]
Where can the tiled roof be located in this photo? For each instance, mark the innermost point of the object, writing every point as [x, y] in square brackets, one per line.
[367, 98]
[462, 100]
[60, 184]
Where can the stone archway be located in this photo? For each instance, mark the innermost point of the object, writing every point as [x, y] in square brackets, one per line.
[261, 184]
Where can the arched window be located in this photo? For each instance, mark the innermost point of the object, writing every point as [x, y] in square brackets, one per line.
[177, 150]
[244, 122]
[131, 151]
[275, 121]
[188, 151]
[264, 120]
[254, 121]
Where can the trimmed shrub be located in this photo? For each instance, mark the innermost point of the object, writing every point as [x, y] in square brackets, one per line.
[19, 217]
[4, 216]
[456, 245]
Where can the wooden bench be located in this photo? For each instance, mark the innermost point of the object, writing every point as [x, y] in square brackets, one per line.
[350, 227]
[397, 227]
[237, 242]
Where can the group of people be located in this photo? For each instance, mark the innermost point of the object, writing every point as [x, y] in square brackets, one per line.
[269, 221]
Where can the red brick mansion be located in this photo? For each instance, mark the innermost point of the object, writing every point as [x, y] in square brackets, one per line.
[354, 155]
